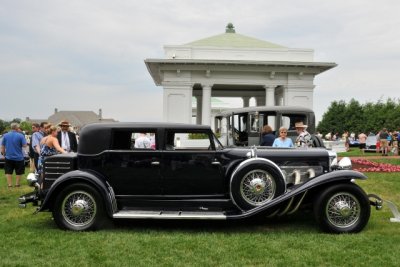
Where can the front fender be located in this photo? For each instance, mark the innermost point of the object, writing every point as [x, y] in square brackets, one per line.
[94, 179]
[324, 179]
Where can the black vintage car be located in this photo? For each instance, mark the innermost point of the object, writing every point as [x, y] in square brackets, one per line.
[187, 174]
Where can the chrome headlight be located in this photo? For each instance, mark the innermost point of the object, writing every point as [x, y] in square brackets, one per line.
[32, 179]
[345, 163]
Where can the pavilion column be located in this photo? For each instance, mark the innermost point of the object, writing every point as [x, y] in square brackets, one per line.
[246, 101]
[285, 94]
[199, 109]
[269, 95]
[206, 105]
[177, 103]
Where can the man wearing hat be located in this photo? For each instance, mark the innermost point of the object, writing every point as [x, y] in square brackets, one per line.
[66, 138]
[304, 138]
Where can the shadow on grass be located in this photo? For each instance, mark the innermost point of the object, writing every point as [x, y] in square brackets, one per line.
[296, 222]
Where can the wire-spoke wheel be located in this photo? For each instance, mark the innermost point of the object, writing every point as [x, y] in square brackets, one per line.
[255, 185]
[342, 208]
[78, 207]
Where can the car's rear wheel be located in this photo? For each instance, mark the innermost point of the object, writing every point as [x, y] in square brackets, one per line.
[256, 185]
[342, 208]
[79, 207]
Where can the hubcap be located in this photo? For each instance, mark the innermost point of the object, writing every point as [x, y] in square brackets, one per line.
[343, 210]
[257, 187]
[79, 208]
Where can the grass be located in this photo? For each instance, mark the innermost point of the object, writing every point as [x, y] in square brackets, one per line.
[356, 152]
[34, 240]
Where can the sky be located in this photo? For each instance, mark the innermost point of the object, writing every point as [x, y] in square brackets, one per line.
[89, 54]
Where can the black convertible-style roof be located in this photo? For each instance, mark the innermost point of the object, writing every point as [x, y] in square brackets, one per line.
[96, 137]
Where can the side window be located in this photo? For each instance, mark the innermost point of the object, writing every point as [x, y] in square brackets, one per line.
[134, 139]
[187, 140]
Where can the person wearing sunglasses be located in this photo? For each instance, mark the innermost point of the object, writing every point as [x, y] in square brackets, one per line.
[283, 140]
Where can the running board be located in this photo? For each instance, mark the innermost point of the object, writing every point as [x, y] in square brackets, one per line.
[190, 215]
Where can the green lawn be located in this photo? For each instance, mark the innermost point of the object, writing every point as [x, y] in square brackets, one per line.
[356, 152]
[34, 240]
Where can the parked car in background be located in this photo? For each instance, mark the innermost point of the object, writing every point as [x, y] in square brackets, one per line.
[370, 143]
[24, 151]
[181, 178]
[243, 126]
[354, 143]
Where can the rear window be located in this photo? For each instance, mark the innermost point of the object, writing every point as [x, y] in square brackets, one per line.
[187, 140]
[134, 139]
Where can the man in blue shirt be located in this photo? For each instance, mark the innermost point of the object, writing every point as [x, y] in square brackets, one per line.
[11, 146]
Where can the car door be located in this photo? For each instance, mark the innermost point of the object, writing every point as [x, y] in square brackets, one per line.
[133, 171]
[191, 167]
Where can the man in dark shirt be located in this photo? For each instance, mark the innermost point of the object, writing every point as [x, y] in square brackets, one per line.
[66, 138]
[383, 138]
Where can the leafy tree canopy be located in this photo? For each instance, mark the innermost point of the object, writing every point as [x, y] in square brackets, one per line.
[354, 117]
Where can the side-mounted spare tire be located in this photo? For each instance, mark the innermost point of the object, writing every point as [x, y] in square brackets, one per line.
[256, 184]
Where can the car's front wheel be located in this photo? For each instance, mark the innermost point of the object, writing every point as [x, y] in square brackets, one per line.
[79, 207]
[342, 208]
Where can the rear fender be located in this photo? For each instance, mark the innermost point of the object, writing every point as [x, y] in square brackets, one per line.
[94, 179]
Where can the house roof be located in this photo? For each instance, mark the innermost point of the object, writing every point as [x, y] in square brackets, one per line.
[77, 118]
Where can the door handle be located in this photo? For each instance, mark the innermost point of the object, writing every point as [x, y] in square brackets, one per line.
[155, 163]
[216, 163]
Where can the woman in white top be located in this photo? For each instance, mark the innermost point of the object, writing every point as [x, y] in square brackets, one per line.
[283, 140]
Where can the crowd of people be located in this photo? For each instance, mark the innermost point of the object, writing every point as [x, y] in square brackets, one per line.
[46, 140]
[385, 141]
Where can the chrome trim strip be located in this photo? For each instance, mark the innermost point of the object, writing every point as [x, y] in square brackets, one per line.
[57, 162]
[57, 168]
[169, 215]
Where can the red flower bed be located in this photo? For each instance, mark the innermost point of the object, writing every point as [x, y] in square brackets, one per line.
[363, 165]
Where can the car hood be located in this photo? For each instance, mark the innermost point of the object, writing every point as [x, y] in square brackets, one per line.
[286, 154]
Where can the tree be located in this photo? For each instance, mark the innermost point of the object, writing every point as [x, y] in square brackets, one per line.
[353, 117]
[333, 119]
[3, 126]
[26, 126]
